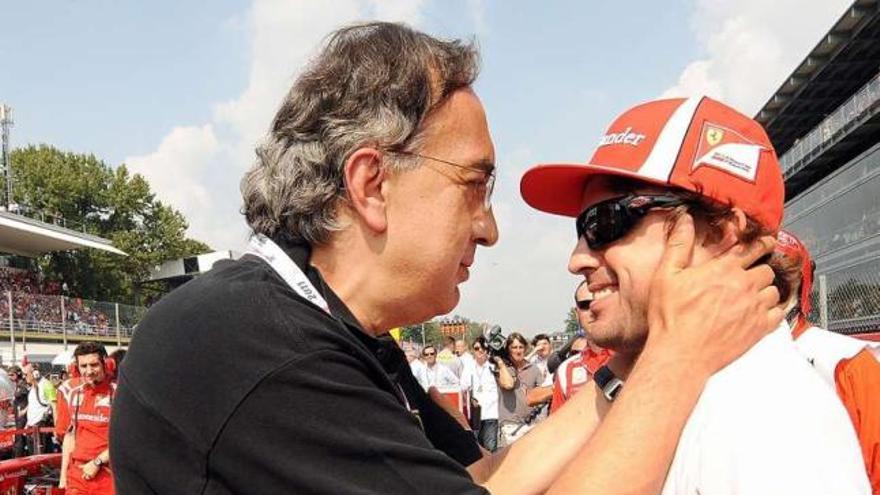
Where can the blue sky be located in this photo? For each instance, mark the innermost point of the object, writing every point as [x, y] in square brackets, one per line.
[181, 91]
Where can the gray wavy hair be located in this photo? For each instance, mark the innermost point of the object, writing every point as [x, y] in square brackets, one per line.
[372, 84]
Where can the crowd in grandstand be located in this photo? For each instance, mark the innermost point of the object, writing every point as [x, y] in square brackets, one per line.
[37, 306]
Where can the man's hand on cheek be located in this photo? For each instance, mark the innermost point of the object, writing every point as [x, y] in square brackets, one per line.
[708, 315]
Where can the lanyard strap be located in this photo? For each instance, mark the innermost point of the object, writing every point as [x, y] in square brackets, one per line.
[264, 248]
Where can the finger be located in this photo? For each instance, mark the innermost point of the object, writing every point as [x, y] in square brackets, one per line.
[775, 317]
[769, 298]
[760, 276]
[754, 251]
[679, 245]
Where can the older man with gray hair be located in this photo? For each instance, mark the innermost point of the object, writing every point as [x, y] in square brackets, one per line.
[367, 203]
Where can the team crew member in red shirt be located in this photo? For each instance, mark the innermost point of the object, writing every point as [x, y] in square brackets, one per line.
[577, 370]
[87, 422]
[846, 364]
[62, 419]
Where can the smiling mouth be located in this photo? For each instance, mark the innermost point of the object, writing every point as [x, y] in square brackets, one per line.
[602, 290]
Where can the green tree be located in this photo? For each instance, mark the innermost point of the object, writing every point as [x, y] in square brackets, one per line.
[94, 198]
[571, 322]
[432, 336]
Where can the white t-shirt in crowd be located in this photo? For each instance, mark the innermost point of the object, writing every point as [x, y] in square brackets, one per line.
[481, 382]
[40, 399]
[467, 368]
[442, 378]
[767, 425]
[419, 371]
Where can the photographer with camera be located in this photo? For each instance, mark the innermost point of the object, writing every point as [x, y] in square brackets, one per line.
[520, 394]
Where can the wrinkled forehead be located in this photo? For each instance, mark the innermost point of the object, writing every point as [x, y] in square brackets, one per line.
[604, 187]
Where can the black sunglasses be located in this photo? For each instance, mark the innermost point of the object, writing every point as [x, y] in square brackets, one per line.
[610, 220]
[428, 354]
[584, 304]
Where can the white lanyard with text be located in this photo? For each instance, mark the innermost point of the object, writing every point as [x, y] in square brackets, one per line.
[263, 247]
[266, 249]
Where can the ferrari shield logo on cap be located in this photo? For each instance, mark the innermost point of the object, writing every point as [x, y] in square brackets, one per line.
[714, 136]
[727, 151]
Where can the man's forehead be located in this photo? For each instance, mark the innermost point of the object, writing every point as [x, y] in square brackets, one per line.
[86, 358]
[459, 129]
[604, 187]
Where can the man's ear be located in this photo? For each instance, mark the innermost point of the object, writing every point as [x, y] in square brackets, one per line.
[731, 230]
[364, 175]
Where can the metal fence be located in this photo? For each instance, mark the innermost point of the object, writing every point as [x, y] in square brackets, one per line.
[848, 300]
[25, 210]
[859, 105]
[63, 317]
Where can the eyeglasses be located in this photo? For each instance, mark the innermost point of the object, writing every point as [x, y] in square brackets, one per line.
[477, 348]
[609, 221]
[584, 304]
[484, 189]
[426, 354]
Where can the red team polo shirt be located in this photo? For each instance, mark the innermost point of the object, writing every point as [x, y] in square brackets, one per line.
[574, 372]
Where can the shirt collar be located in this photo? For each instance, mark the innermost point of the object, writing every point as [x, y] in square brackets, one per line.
[383, 347]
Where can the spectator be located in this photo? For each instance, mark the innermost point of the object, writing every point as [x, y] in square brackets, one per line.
[520, 394]
[447, 356]
[418, 368]
[484, 391]
[467, 360]
[438, 376]
[40, 409]
[19, 404]
[576, 371]
[543, 348]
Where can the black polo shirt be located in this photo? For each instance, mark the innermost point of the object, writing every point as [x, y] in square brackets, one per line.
[235, 384]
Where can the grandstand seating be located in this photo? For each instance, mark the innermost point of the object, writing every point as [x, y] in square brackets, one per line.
[38, 307]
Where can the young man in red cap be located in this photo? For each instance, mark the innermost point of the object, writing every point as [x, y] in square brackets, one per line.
[846, 364]
[765, 423]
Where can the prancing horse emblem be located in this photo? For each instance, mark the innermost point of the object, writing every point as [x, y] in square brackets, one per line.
[714, 136]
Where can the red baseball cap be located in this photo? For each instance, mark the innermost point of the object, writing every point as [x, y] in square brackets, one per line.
[787, 244]
[696, 144]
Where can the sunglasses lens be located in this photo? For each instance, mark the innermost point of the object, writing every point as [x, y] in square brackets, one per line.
[584, 305]
[604, 223]
[609, 221]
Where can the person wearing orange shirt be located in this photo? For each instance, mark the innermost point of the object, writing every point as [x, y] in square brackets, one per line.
[846, 364]
[87, 423]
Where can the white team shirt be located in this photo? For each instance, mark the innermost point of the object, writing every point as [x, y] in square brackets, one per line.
[767, 425]
[824, 349]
